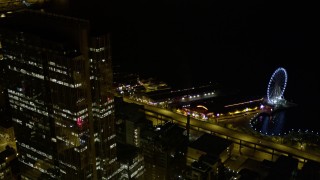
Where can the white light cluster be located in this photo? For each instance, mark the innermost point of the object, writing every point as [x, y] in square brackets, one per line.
[68, 165]
[40, 76]
[23, 71]
[112, 160]
[35, 64]
[65, 83]
[113, 145]
[20, 102]
[58, 70]
[136, 172]
[35, 150]
[57, 65]
[17, 121]
[102, 111]
[69, 115]
[105, 114]
[32, 63]
[32, 157]
[136, 163]
[111, 137]
[37, 167]
[10, 91]
[65, 140]
[81, 150]
[96, 49]
[113, 174]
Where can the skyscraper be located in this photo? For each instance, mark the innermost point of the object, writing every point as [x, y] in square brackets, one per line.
[60, 91]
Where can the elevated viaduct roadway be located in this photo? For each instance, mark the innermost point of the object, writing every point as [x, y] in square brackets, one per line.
[243, 139]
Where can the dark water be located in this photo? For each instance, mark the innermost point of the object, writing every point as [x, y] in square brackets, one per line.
[283, 121]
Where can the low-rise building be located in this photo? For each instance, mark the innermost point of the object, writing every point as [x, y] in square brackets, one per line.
[9, 164]
[164, 149]
[206, 155]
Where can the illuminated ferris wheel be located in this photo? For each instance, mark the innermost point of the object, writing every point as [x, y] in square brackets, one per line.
[276, 86]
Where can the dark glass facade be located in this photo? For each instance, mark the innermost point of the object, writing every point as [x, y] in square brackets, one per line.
[60, 92]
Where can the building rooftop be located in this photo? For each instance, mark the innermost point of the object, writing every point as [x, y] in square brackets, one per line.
[247, 174]
[168, 136]
[209, 159]
[310, 170]
[283, 167]
[210, 144]
[200, 166]
[9, 151]
[171, 94]
[126, 153]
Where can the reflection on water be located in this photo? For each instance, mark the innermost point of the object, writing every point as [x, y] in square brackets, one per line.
[284, 121]
[271, 124]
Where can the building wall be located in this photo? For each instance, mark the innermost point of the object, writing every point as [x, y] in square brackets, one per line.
[133, 169]
[8, 164]
[63, 118]
[103, 105]
[132, 133]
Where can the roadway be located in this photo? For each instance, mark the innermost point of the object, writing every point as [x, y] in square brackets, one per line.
[231, 134]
